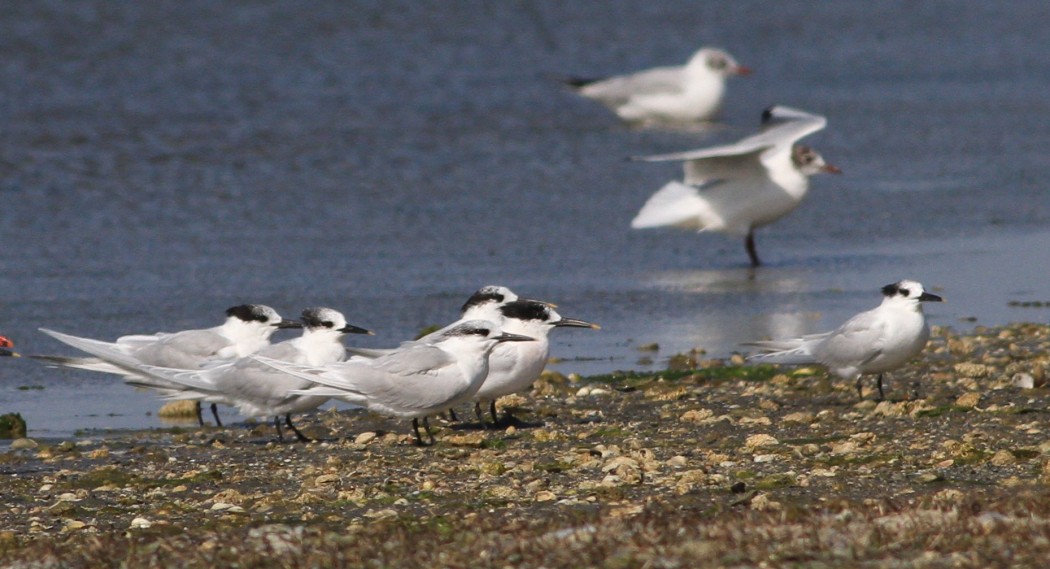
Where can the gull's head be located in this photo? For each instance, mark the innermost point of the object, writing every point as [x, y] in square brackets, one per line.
[910, 292]
[258, 317]
[537, 318]
[718, 61]
[809, 161]
[328, 320]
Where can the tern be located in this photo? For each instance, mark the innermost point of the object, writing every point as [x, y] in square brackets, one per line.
[514, 366]
[690, 92]
[877, 341]
[247, 329]
[414, 381]
[258, 390]
[739, 187]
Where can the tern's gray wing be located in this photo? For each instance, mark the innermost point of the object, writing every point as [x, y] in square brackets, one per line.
[186, 350]
[855, 343]
[105, 350]
[369, 353]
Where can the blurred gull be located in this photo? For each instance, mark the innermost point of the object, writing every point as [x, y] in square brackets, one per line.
[690, 92]
[738, 187]
[877, 341]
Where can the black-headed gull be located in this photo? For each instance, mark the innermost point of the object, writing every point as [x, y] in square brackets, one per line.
[738, 187]
[683, 93]
[877, 341]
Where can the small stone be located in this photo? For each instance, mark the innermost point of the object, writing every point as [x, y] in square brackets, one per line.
[184, 409]
[968, 400]
[365, 438]
[326, 479]
[802, 417]
[140, 523]
[23, 443]
[677, 461]
[1003, 458]
[1023, 380]
[696, 415]
[760, 440]
[969, 369]
[545, 496]
[73, 525]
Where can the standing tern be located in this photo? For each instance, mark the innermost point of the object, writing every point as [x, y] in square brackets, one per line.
[414, 381]
[5, 347]
[258, 390]
[690, 92]
[514, 366]
[247, 329]
[739, 187]
[877, 341]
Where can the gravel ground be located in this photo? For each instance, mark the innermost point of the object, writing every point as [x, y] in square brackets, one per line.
[709, 464]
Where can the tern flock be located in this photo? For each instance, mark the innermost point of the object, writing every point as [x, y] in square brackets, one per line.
[499, 345]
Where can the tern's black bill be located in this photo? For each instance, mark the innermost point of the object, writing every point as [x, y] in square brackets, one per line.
[351, 329]
[508, 337]
[927, 297]
[285, 323]
[573, 323]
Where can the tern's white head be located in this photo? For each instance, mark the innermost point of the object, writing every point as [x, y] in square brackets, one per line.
[246, 321]
[485, 302]
[475, 336]
[536, 319]
[907, 293]
[323, 320]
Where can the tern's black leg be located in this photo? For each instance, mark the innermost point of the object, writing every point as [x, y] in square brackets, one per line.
[860, 388]
[492, 411]
[415, 430]
[749, 244]
[215, 413]
[452, 415]
[277, 425]
[881, 395]
[426, 426]
[302, 438]
[197, 408]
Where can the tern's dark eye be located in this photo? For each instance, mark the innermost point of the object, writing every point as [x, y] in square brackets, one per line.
[478, 331]
[328, 324]
[903, 292]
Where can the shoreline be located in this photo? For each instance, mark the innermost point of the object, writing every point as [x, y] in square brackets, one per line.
[639, 466]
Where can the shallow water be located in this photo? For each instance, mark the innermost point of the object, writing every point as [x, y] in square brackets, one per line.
[160, 162]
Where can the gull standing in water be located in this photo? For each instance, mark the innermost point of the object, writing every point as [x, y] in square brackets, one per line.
[258, 390]
[247, 329]
[684, 93]
[414, 381]
[739, 187]
[877, 341]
